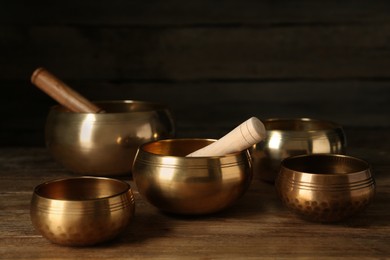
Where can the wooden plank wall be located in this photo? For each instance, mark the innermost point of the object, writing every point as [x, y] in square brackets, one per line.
[215, 63]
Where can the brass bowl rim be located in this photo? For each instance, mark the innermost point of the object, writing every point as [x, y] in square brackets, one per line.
[124, 191]
[58, 108]
[141, 147]
[284, 161]
[333, 125]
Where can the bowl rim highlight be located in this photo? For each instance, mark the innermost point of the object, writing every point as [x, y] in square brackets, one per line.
[141, 147]
[39, 187]
[329, 125]
[58, 108]
[364, 165]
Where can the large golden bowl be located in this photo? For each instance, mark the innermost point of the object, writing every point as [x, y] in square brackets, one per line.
[288, 137]
[190, 185]
[81, 211]
[325, 187]
[105, 144]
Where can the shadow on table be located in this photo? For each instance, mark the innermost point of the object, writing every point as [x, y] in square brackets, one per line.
[142, 228]
[258, 201]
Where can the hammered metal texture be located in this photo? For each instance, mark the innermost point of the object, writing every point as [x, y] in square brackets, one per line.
[81, 211]
[325, 188]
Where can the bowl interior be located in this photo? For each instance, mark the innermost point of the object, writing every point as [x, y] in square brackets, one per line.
[83, 188]
[325, 164]
[176, 147]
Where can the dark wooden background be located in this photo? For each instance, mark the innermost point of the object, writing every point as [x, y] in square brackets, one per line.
[215, 63]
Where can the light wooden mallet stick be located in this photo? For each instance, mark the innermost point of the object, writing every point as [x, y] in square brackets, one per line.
[242, 137]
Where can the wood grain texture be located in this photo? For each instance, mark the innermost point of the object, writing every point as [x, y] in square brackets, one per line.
[123, 40]
[258, 226]
[228, 53]
[201, 12]
[215, 63]
[204, 108]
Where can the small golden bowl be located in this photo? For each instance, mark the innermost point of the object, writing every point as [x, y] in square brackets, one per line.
[81, 211]
[105, 144]
[190, 185]
[295, 136]
[325, 187]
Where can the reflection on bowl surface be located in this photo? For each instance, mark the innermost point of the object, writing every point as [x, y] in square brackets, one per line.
[190, 185]
[295, 136]
[105, 144]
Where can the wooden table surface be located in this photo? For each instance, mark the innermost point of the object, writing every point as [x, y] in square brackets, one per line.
[258, 226]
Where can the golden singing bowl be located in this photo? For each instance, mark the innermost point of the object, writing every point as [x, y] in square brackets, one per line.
[295, 136]
[105, 144]
[190, 185]
[81, 211]
[325, 187]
